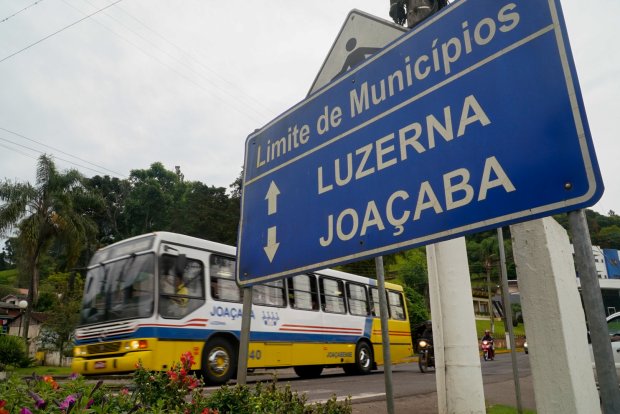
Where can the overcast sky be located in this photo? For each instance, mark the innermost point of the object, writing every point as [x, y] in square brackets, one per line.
[184, 82]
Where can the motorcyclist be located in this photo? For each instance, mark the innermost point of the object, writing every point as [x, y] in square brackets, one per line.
[428, 331]
[426, 357]
[489, 338]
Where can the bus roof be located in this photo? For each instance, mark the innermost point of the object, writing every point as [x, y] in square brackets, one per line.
[181, 239]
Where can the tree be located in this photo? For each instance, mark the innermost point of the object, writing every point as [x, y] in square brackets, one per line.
[63, 315]
[42, 214]
[110, 217]
[153, 200]
[486, 254]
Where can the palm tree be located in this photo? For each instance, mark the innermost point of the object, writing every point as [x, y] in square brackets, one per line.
[42, 214]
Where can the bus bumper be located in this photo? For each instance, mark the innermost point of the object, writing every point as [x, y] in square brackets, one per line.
[111, 364]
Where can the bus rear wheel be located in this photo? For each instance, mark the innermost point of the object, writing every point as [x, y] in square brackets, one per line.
[363, 360]
[219, 361]
[308, 371]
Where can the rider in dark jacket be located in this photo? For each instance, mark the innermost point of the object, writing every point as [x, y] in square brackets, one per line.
[487, 337]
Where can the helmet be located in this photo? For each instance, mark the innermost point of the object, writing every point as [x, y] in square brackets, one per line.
[487, 331]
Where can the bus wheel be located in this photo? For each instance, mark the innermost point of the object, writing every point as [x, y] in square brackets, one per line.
[308, 371]
[219, 361]
[363, 360]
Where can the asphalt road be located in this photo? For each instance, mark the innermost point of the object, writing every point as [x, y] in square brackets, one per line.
[413, 390]
[411, 387]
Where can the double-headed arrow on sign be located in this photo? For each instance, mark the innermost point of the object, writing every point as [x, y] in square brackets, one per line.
[272, 207]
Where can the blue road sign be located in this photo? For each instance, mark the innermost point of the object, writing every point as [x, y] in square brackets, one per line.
[471, 121]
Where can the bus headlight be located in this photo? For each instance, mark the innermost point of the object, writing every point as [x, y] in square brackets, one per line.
[77, 351]
[136, 344]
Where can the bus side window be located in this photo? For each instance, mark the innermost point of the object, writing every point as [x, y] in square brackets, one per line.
[180, 294]
[222, 276]
[395, 303]
[357, 297]
[332, 295]
[376, 309]
[269, 294]
[302, 292]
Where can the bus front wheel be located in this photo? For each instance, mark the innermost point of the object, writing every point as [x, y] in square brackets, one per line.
[219, 361]
[363, 360]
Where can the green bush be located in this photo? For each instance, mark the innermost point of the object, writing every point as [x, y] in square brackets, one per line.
[270, 399]
[174, 391]
[13, 352]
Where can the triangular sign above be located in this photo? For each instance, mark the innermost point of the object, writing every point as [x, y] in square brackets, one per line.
[361, 36]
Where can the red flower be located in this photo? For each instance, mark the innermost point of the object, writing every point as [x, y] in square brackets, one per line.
[2, 409]
[187, 360]
[50, 380]
[173, 375]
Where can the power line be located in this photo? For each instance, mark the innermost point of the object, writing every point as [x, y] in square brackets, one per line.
[17, 151]
[41, 152]
[61, 151]
[192, 57]
[172, 68]
[18, 12]
[58, 31]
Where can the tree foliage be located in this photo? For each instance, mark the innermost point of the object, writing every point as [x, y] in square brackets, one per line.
[57, 223]
[52, 213]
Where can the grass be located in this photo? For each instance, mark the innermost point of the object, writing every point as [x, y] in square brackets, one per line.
[503, 409]
[42, 370]
[500, 330]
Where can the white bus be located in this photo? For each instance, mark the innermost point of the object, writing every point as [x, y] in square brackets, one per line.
[153, 297]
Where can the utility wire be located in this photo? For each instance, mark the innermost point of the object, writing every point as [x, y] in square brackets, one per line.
[18, 12]
[61, 151]
[193, 58]
[58, 31]
[18, 151]
[41, 152]
[181, 74]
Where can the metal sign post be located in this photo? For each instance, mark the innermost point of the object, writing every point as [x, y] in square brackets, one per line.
[244, 340]
[385, 336]
[595, 312]
[508, 318]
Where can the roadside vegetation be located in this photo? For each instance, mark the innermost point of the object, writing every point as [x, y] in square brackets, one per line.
[174, 391]
[503, 409]
[53, 226]
[500, 329]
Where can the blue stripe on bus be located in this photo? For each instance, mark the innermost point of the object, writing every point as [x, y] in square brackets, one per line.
[368, 327]
[202, 334]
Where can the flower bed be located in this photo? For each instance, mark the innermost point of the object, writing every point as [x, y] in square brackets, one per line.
[174, 391]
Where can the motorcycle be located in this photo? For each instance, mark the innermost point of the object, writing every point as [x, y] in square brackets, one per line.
[426, 356]
[487, 350]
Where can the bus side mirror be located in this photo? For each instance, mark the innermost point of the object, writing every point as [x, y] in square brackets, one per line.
[180, 264]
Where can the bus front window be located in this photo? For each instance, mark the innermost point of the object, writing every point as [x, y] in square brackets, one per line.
[119, 290]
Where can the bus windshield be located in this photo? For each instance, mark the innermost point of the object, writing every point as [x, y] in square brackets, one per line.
[120, 289]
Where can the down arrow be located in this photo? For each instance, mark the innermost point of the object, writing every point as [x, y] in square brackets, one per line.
[272, 245]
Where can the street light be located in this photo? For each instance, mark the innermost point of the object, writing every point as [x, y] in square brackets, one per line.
[22, 307]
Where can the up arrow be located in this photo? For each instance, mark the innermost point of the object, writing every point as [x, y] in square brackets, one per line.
[272, 199]
[272, 245]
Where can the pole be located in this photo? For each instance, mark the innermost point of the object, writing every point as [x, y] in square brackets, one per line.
[385, 336]
[508, 318]
[244, 341]
[595, 312]
[490, 297]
